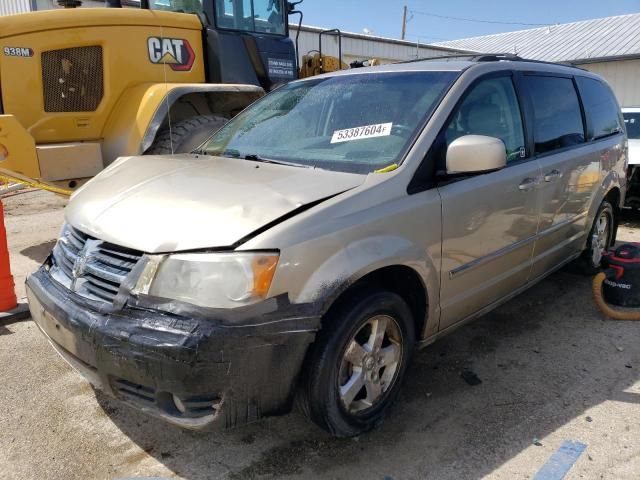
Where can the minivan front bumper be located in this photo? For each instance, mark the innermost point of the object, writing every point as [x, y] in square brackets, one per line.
[197, 373]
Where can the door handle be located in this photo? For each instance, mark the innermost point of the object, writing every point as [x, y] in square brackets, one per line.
[527, 184]
[552, 175]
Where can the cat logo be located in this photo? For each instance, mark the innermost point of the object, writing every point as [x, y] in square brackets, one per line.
[175, 52]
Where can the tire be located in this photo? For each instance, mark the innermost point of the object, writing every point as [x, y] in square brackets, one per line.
[589, 263]
[186, 135]
[332, 363]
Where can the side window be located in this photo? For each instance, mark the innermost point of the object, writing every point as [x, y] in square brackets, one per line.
[632, 122]
[264, 16]
[269, 16]
[181, 6]
[601, 108]
[234, 14]
[557, 115]
[490, 108]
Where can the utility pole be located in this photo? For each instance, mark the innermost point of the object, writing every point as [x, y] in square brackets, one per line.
[404, 22]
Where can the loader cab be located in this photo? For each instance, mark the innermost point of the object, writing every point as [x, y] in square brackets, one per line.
[245, 41]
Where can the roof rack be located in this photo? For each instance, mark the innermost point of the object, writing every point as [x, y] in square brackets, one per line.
[485, 57]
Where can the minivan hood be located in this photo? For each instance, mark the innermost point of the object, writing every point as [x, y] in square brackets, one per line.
[161, 204]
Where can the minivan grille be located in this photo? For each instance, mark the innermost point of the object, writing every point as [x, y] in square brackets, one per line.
[133, 391]
[72, 79]
[92, 268]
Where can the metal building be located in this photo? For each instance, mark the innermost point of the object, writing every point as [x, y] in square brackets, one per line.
[607, 46]
[356, 46]
[10, 7]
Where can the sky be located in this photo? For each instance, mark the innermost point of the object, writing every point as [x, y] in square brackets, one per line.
[384, 18]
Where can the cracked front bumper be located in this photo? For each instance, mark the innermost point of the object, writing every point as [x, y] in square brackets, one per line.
[197, 373]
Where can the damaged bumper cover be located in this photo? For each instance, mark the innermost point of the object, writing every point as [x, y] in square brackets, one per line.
[196, 372]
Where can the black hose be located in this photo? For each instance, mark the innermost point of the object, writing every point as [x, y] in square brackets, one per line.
[616, 314]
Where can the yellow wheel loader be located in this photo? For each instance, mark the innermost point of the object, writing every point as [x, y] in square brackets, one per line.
[316, 63]
[82, 87]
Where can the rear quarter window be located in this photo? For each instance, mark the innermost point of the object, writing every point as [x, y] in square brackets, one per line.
[601, 108]
[557, 119]
[632, 122]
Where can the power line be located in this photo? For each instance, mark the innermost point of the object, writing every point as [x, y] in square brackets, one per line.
[496, 22]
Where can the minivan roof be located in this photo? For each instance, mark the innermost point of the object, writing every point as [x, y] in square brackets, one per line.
[457, 63]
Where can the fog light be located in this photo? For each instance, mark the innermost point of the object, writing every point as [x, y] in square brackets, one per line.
[179, 405]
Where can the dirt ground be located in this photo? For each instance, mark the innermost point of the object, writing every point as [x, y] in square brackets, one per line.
[552, 369]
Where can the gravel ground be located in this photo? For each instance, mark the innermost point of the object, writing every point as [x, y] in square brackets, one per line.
[552, 369]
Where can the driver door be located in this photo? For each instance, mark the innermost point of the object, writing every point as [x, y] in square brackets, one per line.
[489, 221]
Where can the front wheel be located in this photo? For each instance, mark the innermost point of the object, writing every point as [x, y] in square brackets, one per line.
[356, 366]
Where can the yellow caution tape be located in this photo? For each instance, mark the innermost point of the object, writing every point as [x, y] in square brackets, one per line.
[42, 186]
[388, 168]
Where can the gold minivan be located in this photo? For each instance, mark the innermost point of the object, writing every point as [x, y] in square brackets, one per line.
[311, 244]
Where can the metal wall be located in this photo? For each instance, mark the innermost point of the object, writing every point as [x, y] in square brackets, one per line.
[10, 7]
[51, 4]
[363, 47]
[623, 76]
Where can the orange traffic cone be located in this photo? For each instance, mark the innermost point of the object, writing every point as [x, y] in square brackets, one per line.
[8, 302]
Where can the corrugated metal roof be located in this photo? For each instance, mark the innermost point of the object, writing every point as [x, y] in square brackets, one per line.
[374, 38]
[578, 42]
[10, 7]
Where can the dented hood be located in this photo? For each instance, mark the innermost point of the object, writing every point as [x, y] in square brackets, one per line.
[160, 204]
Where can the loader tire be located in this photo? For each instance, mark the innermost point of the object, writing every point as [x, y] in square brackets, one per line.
[186, 135]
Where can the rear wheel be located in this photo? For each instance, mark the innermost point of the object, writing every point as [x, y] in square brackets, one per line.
[356, 366]
[599, 240]
[187, 135]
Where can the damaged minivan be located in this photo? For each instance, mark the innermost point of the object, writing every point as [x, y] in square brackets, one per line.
[314, 242]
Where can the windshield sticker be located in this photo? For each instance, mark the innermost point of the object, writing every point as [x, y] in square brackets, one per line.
[358, 133]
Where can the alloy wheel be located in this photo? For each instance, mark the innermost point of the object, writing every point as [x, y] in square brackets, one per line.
[370, 364]
[600, 237]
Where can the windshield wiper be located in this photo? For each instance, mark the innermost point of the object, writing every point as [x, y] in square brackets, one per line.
[233, 153]
[257, 158]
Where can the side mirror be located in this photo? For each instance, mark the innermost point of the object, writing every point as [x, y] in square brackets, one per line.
[476, 154]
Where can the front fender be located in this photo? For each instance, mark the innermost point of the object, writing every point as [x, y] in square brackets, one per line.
[364, 256]
[141, 111]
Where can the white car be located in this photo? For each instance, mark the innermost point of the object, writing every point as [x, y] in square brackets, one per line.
[632, 123]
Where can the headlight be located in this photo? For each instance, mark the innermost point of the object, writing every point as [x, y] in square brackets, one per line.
[215, 280]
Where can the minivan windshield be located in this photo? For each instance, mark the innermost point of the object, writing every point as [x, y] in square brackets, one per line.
[354, 123]
[632, 122]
